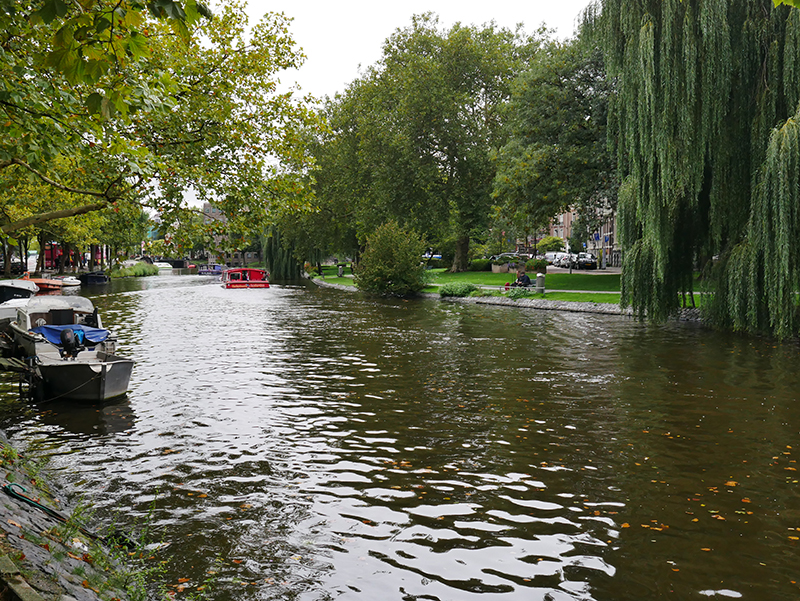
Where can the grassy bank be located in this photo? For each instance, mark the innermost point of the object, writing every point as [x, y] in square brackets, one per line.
[575, 287]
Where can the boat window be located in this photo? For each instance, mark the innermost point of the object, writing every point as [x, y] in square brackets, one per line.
[62, 317]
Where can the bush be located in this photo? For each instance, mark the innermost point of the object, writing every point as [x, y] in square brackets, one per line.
[516, 293]
[537, 265]
[138, 270]
[480, 265]
[457, 289]
[391, 262]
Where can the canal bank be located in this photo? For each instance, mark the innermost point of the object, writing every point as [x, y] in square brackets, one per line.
[45, 552]
[688, 314]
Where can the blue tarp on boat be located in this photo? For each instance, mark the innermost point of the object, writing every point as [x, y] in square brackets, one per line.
[91, 336]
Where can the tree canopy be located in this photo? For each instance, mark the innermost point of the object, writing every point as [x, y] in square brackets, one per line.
[154, 101]
[411, 139]
[556, 156]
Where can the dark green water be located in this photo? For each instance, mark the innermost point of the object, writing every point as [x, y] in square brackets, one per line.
[316, 444]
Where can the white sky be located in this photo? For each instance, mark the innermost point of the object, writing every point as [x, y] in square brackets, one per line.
[337, 37]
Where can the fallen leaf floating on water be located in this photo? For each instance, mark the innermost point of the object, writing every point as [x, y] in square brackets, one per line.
[731, 483]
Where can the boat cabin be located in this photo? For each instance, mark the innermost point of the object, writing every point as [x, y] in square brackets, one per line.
[245, 277]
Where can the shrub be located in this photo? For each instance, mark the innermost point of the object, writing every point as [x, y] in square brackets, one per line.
[516, 293]
[457, 289]
[480, 265]
[391, 262]
[138, 270]
[537, 265]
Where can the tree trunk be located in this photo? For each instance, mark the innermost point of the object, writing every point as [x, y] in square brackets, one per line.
[461, 259]
[62, 259]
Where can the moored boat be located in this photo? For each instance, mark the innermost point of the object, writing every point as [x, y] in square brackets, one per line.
[70, 354]
[67, 280]
[93, 278]
[14, 294]
[210, 269]
[44, 284]
[18, 288]
[245, 277]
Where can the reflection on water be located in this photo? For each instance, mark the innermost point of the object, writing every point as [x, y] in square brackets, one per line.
[313, 444]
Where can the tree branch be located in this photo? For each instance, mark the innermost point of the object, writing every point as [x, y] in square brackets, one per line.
[51, 215]
[106, 194]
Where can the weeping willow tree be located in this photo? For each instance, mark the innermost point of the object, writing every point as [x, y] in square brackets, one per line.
[280, 261]
[706, 129]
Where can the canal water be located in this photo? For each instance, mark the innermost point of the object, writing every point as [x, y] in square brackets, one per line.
[312, 444]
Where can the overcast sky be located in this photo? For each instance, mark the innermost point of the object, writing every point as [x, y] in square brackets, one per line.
[337, 37]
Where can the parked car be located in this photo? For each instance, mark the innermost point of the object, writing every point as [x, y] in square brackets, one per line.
[566, 260]
[586, 261]
[17, 268]
[510, 256]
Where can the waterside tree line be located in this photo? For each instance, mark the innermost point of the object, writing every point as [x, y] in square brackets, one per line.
[680, 114]
[684, 113]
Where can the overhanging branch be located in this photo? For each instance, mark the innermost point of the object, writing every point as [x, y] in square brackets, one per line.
[50, 215]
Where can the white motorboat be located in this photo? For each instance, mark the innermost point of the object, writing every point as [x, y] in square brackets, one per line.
[68, 280]
[14, 294]
[70, 354]
[162, 266]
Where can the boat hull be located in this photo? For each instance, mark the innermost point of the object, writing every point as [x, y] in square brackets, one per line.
[246, 284]
[97, 378]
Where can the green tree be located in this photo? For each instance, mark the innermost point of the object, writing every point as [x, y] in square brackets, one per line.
[550, 244]
[706, 133]
[556, 157]
[154, 102]
[416, 131]
[392, 262]
[71, 75]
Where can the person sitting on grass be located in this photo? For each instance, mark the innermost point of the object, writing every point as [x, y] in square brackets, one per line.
[522, 280]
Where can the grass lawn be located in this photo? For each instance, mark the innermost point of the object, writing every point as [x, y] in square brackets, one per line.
[600, 282]
[334, 279]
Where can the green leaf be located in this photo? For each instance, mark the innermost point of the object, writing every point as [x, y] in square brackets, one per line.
[94, 103]
[101, 24]
[138, 45]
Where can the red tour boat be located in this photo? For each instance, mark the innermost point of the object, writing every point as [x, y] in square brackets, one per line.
[245, 277]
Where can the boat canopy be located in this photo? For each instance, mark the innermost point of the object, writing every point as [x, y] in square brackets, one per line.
[91, 336]
[43, 304]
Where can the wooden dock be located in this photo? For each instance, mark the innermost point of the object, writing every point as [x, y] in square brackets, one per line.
[12, 364]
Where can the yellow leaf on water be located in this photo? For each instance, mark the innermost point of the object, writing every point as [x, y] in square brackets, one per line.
[731, 483]
[626, 525]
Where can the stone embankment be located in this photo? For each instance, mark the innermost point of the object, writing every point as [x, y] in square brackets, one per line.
[48, 556]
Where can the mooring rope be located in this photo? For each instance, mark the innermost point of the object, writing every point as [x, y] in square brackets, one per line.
[115, 539]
